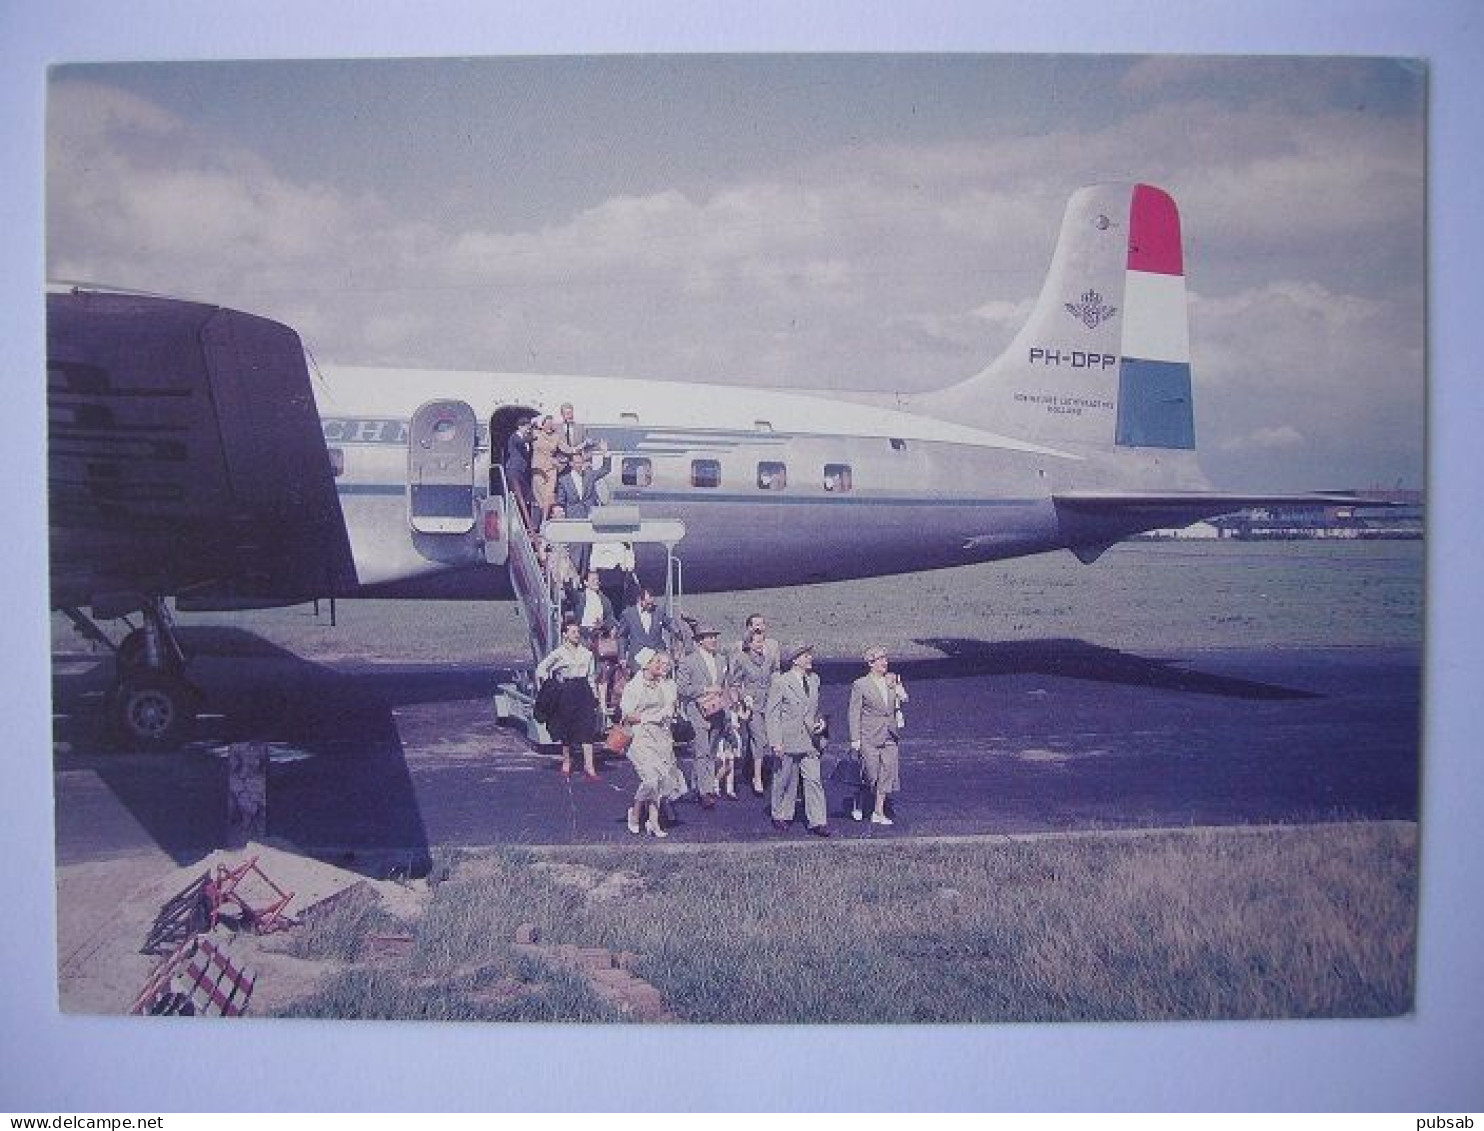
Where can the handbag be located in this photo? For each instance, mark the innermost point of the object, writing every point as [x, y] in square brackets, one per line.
[607, 647]
[618, 739]
[712, 703]
[681, 730]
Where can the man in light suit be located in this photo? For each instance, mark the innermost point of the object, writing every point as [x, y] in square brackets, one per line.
[577, 495]
[704, 672]
[793, 723]
[875, 727]
[571, 437]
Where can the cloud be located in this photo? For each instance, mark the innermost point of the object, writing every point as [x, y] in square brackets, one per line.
[877, 264]
[1332, 382]
[1266, 439]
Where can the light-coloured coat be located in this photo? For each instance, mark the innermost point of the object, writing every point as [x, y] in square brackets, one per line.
[692, 680]
[872, 719]
[793, 713]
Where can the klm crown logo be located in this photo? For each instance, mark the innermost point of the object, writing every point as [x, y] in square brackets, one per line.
[1092, 312]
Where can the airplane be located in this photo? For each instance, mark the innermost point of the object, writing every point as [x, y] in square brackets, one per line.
[197, 453]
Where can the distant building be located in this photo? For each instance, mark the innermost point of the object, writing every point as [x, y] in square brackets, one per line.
[1195, 531]
[1402, 517]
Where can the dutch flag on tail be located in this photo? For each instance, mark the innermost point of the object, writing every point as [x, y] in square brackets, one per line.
[1103, 361]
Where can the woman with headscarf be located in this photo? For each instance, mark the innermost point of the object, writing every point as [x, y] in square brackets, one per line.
[648, 707]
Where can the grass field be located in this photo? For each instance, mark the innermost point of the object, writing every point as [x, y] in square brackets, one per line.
[1139, 595]
[1259, 923]
[1314, 921]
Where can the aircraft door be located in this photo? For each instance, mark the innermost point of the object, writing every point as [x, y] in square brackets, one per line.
[441, 468]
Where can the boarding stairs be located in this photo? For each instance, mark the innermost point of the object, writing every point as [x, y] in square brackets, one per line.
[539, 596]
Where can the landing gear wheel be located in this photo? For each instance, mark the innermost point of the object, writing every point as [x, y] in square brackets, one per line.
[153, 711]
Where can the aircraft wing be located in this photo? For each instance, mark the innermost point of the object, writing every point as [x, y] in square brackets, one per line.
[1094, 520]
[184, 455]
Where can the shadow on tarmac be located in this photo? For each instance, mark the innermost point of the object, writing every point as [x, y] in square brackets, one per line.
[333, 740]
[1065, 658]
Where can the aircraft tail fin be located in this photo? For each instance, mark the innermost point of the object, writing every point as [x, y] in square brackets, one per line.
[1104, 359]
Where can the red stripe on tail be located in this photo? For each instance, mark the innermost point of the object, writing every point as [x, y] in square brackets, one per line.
[1154, 233]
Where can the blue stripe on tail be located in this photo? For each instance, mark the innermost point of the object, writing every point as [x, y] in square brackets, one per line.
[1154, 405]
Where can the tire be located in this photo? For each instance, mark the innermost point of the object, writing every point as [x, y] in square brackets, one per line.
[153, 711]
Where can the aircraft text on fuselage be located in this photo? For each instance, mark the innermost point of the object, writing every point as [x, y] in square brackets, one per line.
[1076, 359]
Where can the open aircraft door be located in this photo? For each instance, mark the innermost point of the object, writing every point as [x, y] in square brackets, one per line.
[441, 468]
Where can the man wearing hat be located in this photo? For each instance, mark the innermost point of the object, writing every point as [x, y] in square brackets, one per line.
[702, 680]
[793, 722]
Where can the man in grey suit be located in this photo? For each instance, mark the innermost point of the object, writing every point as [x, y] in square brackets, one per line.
[793, 723]
[644, 626]
[704, 675]
[577, 495]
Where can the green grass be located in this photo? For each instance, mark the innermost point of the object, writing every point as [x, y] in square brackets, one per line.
[1137, 596]
[1284, 922]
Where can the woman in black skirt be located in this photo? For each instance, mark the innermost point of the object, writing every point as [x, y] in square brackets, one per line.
[575, 722]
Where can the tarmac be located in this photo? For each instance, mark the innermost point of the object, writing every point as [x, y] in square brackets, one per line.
[376, 767]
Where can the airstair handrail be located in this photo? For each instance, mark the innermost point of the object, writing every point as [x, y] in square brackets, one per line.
[528, 580]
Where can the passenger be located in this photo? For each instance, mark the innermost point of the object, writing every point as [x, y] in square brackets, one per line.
[545, 466]
[644, 626]
[876, 700]
[793, 726]
[561, 570]
[614, 562]
[518, 466]
[752, 675]
[599, 628]
[591, 608]
[577, 495]
[757, 623]
[703, 683]
[729, 750]
[648, 707]
[571, 438]
[575, 722]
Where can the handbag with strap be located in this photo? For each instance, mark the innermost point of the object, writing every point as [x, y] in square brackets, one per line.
[618, 740]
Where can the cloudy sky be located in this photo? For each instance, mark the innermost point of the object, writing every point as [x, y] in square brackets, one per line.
[850, 221]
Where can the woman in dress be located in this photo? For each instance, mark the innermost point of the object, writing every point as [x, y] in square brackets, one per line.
[575, 722]
[752, 672]
[648, 706]
[545, 466]
[876, 700]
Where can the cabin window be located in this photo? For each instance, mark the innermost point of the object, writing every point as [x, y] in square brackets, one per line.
[898, 445]
[762, 425]
[337, 462]
[771, 476]
[705, 473]
[837, 477]
[629, 417]
[637, 472]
